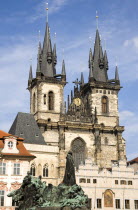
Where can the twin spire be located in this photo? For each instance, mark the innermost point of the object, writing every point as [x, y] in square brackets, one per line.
[98, 62]
[47, 58]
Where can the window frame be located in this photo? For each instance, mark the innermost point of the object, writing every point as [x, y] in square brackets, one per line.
[127, 205]
[99, 203]
[82, 180]
[16, 169]
[33, 169]
[117, 204]
[2, 168]
[51, 103]
[2, 194]
[136, 204]
[105, 105]
[45, 170]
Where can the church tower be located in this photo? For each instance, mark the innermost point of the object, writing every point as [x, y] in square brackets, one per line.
[46, 89]
[89, 125]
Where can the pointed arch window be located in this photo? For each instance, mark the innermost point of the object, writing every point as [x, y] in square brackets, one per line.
[45, 170]
[104, 104]
[34, 102]
[78, 148]
[51, 100]
[32, 170]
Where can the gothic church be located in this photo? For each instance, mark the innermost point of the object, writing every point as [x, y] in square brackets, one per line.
[88, 124]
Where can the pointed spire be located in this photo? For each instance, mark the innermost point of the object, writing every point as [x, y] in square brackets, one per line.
[54, 55]
[71, 95]
[82, 79]
[91, 72]
[96, 46]
[63, 68]
[98, 71]
[30, 73]
[101, 61]
[49, 52]
[116, 74]
[30, 76]
[68, 101]
[90, 58]
[105, 60]
[101, 53]
[39, 57]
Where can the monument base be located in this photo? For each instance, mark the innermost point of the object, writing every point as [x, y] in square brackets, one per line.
[62, 208]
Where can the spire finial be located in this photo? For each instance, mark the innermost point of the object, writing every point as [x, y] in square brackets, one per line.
[47, 12]
[116, 61]
[97, 17]
[63, 53]
[30, 61]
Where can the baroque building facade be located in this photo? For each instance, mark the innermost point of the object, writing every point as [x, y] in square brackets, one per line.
[88, 124]
[14, 164]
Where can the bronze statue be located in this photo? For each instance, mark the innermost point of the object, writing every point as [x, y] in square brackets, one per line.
[34, 194]
[69, 177]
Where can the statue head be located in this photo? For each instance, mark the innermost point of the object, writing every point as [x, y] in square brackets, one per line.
[28, 173]
[70, 152]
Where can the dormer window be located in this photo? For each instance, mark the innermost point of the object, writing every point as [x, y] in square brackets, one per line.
[10, 144]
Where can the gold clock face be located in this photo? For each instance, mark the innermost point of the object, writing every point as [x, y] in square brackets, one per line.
[77, 101]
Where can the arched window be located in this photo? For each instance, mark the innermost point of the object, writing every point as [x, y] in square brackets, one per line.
[32, 170]
[34, 101]
[45, 170]
[44, 98]
[51, 100]
[104, 104]
[78, 149]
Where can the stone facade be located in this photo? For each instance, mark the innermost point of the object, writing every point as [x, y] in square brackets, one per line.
[14, 164]
[88, 124]
[120, 181]
[90, 116]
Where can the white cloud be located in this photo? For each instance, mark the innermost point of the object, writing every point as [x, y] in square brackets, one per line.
[54, 6]
[131, 42]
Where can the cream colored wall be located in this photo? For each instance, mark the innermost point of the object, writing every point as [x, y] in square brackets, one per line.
[95, 100]
[45, 155]
[42, 109]
[106, 180]
[51, 137]
[10, 179]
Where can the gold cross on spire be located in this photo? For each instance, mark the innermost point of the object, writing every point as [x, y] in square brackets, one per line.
[47, 12]
[97, 17]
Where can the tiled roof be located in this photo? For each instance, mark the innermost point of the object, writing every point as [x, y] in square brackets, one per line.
[26, 127]
[135, 160]
[4, 134]
[22, 150]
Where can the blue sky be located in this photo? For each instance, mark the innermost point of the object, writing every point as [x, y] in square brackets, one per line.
[74, 22]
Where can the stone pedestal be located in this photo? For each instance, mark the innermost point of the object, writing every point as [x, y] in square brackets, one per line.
[63, 208]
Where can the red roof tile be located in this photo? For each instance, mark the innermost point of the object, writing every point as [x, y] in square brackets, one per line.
[135, 160]
[20, 146]
[4, 134]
